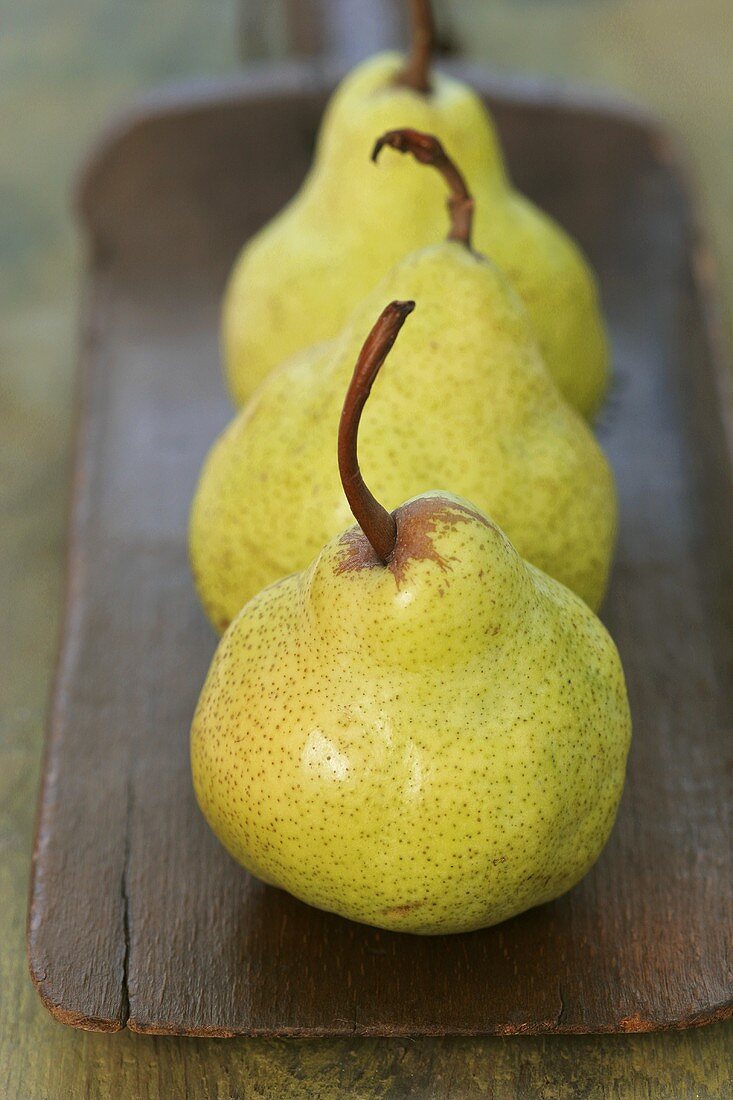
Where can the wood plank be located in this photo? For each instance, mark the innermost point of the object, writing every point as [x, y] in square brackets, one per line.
[137, 915]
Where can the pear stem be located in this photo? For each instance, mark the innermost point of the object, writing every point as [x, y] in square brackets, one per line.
[426, 149]
[416, 72]
[375, 521]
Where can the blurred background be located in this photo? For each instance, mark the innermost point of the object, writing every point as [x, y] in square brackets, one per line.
[65, 67]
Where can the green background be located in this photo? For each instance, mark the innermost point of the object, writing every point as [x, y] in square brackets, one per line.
[64, 67]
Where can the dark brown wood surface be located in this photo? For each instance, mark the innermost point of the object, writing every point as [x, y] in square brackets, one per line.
[137, 915]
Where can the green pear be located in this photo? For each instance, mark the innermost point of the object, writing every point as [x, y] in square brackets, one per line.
[466, 400]
[298, 279]
[421, 731]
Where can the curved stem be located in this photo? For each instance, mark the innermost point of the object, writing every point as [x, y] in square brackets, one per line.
[375, 521]
[416, 72]
[426, 149]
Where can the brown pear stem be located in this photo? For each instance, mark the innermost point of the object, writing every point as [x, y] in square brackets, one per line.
[416, 72]
[375, 521]
[426, 149]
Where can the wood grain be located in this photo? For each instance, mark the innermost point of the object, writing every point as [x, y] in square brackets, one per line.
[137, 916]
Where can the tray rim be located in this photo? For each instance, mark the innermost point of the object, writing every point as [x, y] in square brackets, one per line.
[284, 81]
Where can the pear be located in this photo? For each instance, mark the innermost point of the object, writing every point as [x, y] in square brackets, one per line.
[491, 423]
[299, 278]
[421, 731]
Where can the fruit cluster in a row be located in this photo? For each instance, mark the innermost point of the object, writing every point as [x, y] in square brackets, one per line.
[417, 722]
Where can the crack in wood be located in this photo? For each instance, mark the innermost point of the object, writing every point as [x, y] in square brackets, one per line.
[125, 992]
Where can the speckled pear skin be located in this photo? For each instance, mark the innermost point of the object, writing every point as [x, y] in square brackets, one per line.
[299, 278]
[431, 746]
[464, 400]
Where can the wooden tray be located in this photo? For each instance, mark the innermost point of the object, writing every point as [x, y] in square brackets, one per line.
[137, 917]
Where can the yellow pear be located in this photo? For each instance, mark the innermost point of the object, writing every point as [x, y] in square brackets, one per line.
[298, 279]
[421, 731]
[465, 401]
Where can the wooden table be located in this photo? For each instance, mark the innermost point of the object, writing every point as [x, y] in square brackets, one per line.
[64, 67]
